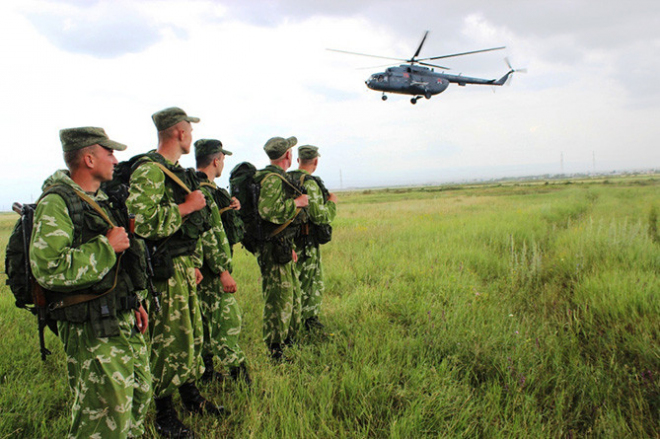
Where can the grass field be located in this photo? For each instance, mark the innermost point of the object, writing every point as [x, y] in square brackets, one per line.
[503, 311]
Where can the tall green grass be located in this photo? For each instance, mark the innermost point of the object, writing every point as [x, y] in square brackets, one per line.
[499, 311]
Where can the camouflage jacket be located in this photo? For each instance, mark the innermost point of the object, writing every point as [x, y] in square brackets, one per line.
[56, 264]
[275, 205]
[152, 201]
[319, 211]
[214, 243]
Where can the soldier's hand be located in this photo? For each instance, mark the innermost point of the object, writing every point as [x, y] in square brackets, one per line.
[302, 201]
[118, 239]
[141, 319]
[228, 282]
[332, 197]
[294, 256]
[198, 276]
[194, 201]
[235, 204]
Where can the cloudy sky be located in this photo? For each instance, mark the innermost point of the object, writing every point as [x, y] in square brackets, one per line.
[252, 70]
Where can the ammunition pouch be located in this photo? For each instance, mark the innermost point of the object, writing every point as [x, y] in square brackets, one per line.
[321, 233]
[282, 249]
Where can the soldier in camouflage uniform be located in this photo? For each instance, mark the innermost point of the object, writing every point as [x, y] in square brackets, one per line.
[278, 207]
[85, 266]
[321, 211]
[220, 310]
[173, 220]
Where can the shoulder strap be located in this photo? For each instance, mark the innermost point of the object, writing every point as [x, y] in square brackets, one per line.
[157, 159]
[213, 186]
[298, 209]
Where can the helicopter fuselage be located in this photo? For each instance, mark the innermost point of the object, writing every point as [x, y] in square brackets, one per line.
[410, 80]
[421, 81]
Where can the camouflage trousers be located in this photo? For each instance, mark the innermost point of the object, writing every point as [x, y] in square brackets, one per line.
[109, 377]
[281, 291]
[310, 273]
[222, 321]
[177, 331]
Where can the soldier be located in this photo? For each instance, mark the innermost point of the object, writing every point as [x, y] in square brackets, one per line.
[220, 310]
[279, 204]
[171, 213]
[82, 255]
[319, 214]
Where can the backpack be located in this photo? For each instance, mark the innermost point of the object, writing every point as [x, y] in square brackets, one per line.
[231, 219]
[27, 293]
[313, 234]
[246, 190]
[322, 233]
[117, 188]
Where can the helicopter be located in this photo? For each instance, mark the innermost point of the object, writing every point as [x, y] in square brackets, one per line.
[418, 80]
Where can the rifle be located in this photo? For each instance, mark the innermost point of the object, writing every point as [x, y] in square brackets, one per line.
[150, 274]
[150, 269]
[40, 308]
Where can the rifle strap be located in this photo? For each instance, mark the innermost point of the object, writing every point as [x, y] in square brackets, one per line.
[89, 200]
[286, 224]
[173, 176]
[283, 179]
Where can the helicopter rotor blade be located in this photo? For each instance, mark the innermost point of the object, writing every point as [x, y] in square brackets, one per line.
[366, 54]
[376, 67]
[463, 53]
[420, 46]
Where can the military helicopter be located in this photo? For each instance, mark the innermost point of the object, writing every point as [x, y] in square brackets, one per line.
[419, 81]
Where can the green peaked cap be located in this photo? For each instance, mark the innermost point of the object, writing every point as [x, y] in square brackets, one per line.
[275, 147]
[168, 117]
[306, 152]
[77, 138]
[204, 147]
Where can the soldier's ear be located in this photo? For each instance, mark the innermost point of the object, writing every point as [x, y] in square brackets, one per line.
[88, 159]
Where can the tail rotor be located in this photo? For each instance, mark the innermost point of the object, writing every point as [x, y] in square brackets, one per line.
[512, 71]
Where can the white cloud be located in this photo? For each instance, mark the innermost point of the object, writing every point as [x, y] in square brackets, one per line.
[252, 73]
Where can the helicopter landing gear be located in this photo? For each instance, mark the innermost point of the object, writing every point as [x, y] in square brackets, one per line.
[427, 95]
[384, 97]
[414, 100]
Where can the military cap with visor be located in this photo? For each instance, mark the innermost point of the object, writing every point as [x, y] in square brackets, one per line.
[206, 147]
[78, 138]
[276, 147]
[169, 117]
[308, 152]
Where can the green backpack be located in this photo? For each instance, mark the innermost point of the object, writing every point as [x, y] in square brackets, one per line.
[27, 293]
[246, 190]
[231, 219]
